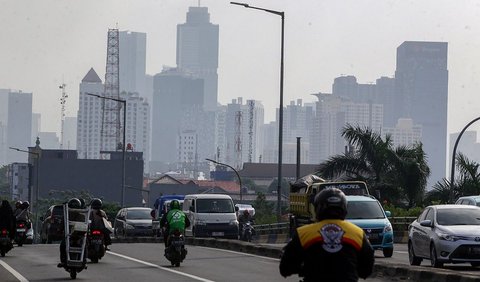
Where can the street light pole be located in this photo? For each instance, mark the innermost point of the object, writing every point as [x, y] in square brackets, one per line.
[124, 102]
[452, 169]
[236, 172]
[280, 115]
[37, 189]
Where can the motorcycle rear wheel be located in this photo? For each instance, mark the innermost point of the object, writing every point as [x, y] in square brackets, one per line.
[73, 274]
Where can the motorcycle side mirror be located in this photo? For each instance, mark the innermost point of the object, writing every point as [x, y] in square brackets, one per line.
[236, 208]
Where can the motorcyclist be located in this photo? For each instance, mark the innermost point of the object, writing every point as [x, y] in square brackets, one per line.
[242, 219]
[7, 220]
[175, 219]
[73, 215]
[18, 208]
[23, 214]
[97, 216]
[330, 249]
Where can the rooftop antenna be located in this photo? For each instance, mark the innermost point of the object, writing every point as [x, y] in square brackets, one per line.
[63, 101]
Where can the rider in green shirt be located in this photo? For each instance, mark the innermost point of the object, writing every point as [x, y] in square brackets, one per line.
[175, 219]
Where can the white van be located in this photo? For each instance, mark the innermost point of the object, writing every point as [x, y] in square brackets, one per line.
[211, 215]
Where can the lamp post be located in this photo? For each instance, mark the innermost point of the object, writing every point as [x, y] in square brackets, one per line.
[452, 173]
[280, 115]
[236, 172]
[37, 206]
[124, 102]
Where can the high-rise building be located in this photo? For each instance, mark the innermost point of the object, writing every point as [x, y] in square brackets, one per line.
[89, 117]
[70, 133]
[332, 114]
[421, 93]
[36, 124]
[405, 133]
[197, 51]
[138, 123]
[49, 140]
[15, 125]
[243, 132]
[132, 61]
[176, 95]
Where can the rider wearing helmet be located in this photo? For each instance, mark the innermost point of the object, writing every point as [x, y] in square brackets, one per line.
[175, 219]
[98, 217]
[242, 219]
[330, 249]
[73, 215]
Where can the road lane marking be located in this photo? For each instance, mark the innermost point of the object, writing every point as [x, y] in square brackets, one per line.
[239, 253]
[401, 252]
[13, 272]
[160, 267]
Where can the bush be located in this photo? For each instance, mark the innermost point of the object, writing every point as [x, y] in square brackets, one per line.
[401, 212]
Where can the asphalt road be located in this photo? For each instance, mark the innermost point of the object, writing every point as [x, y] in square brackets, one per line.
[143, 262]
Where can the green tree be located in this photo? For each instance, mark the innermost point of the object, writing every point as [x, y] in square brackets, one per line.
[264, 211]
[395, 174]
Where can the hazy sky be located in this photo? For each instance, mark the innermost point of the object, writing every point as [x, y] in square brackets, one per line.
[45, 42]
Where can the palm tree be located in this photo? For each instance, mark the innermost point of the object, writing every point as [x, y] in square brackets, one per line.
[397, 173]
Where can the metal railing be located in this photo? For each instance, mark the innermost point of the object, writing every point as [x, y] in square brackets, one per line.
[399, 224]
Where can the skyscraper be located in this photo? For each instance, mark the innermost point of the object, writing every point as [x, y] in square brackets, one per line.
[421, 93]
[132, 61]
[197, 51]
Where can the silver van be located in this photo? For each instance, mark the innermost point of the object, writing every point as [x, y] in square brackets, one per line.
[211, 215]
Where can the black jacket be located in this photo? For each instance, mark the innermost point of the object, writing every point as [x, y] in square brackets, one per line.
[329, 250]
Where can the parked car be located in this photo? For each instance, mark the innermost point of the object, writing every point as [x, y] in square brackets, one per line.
[52, 225]
[469, 200]
[445, 234]
[367, 213]
[135, 221]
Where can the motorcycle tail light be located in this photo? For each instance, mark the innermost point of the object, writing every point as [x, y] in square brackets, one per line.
[4, 231]
[21, 225]
[96, 232]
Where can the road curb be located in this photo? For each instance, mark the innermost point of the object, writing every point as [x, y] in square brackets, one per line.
[381, 269]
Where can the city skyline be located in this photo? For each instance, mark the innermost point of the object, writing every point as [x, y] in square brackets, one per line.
[310, 66]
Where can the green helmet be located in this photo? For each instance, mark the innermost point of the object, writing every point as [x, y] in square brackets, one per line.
[174, 205]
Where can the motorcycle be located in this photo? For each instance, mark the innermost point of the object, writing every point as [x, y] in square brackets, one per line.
[21, 232]
[176, 251]
[96, 245]
[5, 242]
[247, 231]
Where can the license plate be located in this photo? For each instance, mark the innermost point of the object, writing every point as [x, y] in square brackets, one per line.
[97, 241]
[372, 236]
[217, 233]
[21, 230]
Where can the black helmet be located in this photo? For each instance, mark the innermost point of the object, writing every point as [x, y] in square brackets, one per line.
[330, 203]
[74, 203]
[96, 204]
[174, 205]
[25, 205]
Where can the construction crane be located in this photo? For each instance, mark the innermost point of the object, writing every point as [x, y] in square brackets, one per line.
[238, 139]
[63, 101]
[251, 107]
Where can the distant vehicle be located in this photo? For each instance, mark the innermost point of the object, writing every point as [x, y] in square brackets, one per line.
[469, 200]
[134, 221]
[161, 206]
[242, 207]
[211, 215]
[303, 191]
[367, 213]
[52, 225]
[445, 234]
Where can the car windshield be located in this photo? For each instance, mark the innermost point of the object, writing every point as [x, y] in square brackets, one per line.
[214, 206]
[139, 214]
[458, 216]
[364, 210]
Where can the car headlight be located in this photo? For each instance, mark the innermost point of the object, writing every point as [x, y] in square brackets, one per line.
[233, 222]
[201, 222]
[129, 226]
[388, 228]
[448, 237]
